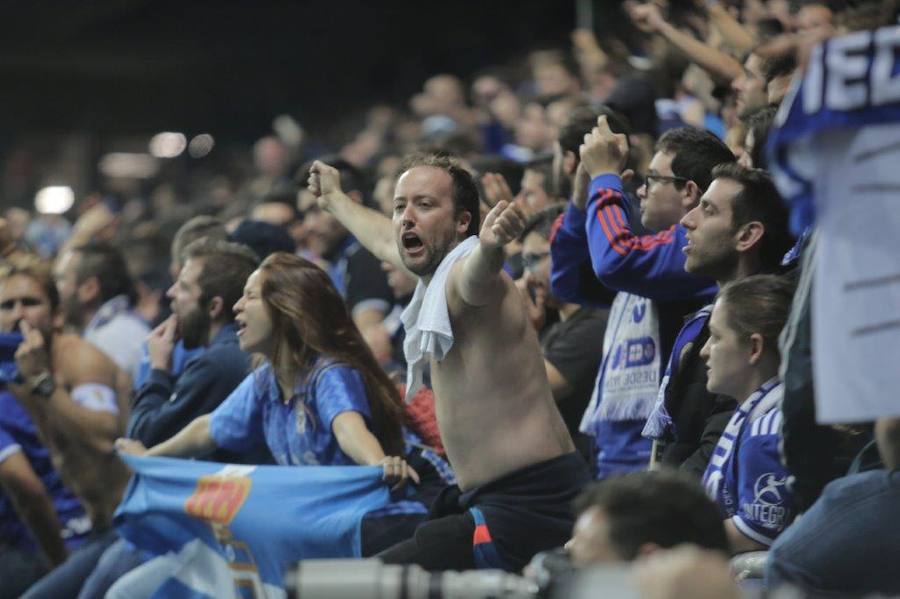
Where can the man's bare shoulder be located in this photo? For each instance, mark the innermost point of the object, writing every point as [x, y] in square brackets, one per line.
[82, 362]
[458, 306]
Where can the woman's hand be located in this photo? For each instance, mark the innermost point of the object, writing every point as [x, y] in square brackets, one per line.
[130, 446]
[397, 472]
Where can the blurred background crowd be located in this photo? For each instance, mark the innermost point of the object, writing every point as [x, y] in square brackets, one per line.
[159, 150]
[125, 121]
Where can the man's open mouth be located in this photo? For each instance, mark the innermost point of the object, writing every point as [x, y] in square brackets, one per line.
[411, 242]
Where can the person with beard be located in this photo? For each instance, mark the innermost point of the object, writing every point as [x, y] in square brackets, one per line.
[208, 286]
[739, 228]
[318, 399]
[349, 412]
[209, 283]
[77, 398]
[599, 244]
[516, 466]
[98, 297]
[198, 227]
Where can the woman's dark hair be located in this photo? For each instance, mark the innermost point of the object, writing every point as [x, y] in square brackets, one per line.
[758, 304]
[310, 320]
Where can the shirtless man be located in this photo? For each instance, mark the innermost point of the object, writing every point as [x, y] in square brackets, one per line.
[513, 457]
[76, 397]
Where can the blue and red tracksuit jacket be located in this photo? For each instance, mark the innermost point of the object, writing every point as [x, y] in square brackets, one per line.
[595, 251]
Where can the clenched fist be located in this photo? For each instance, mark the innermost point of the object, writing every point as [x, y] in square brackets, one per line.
[646, 17]
[504, 223]
[324, 182]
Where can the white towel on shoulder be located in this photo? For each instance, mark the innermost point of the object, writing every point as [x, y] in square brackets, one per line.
[427, 320]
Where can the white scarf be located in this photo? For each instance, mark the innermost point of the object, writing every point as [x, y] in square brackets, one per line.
[427, 320]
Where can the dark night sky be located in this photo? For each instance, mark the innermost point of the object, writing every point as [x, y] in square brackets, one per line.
[135, 66]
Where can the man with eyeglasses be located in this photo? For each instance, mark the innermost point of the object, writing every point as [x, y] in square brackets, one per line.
[572, 346]
[655, 293]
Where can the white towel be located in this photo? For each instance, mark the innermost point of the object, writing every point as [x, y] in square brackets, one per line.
[427, 320]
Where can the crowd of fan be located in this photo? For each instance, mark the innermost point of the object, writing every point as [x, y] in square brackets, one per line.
[653, 261]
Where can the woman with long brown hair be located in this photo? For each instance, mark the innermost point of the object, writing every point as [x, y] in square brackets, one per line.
[319, 397]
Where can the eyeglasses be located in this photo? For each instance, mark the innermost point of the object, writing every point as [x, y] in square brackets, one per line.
[27, 302]
[650, 179]
[531, 261]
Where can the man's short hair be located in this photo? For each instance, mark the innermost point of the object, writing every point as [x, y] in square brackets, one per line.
[195, 228]
[226, 267]
[582, 121]
[36, 268]
[464, 190]
[695, 153]
[660, 507]
[779, 66]
[541, 222]
[759, 200]
[106, 262]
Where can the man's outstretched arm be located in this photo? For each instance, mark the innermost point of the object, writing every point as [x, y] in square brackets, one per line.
[721, 66]
[478, 279]
[370, 227]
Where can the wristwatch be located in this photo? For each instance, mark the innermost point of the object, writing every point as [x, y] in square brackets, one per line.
[43, 384]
